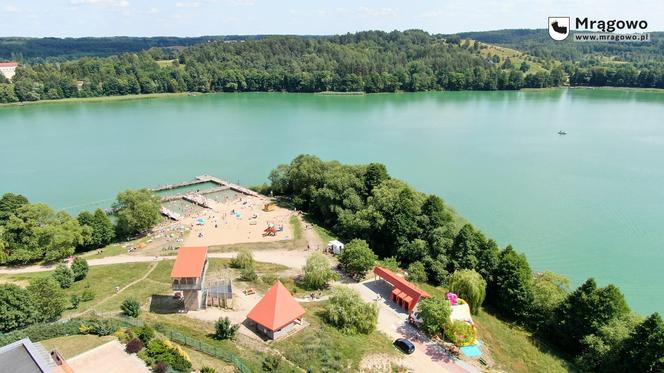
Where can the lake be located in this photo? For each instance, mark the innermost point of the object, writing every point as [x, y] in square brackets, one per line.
[590, 203]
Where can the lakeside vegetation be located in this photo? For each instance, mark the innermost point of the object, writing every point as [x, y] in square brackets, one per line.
[592, 324]
[363, 62]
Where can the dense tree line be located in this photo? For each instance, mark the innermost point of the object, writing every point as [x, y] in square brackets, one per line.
[594, 324]
[366, 61]
[35, 232]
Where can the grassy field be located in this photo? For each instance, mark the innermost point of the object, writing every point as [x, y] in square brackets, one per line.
[321, 348]
[515, 349]
[297, 227]
[324, 234]
[73, 345]
[515, 56]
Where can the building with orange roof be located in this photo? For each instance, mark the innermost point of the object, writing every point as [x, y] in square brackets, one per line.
[277, 313]
[404, 293]
[188, 275]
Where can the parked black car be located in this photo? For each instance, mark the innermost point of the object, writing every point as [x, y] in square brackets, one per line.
[406, 346]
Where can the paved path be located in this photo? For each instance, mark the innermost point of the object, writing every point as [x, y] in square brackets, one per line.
[109, 358]
[392, 320]
[294, 259]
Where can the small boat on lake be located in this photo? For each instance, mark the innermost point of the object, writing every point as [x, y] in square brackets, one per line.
[561, 132]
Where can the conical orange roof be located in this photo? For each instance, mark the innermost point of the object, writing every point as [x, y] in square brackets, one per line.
[277, 309]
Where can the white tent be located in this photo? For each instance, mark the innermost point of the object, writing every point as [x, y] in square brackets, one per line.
[335, 247]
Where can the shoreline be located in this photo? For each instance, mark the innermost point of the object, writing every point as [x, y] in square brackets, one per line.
[150, 96]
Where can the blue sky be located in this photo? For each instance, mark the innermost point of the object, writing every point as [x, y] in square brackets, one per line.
[74, 18]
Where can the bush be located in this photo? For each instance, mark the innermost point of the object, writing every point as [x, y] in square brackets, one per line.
[317, 272]
[134, 346]
[390, 263]
[80, 268]
[75, 301]
[207, 370]
[87, 295]
[64, 276]
[223, 329]
[271, 363]
[269, 279]
[165, 351]
[40, 332]
[160, 367]
[346, 311]
[460, 333]
[243, 259]
[416, 272]
[145, 333]
[248, 273]
[131, 307]
[98, 327]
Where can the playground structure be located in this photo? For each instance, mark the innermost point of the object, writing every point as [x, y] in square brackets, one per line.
[270, 206]
[219, 294]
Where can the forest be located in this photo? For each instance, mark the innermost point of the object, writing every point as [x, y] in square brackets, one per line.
[592, 324]
[371, 61]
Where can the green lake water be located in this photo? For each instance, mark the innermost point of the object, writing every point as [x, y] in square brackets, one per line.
[590, 203]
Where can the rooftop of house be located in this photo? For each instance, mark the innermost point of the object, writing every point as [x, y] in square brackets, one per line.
[23, 356]
[276, 309]
[190, 262]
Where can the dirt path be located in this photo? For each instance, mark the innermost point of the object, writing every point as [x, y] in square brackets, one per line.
[313, 239]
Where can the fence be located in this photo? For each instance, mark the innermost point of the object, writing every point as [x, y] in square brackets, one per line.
[193, 343]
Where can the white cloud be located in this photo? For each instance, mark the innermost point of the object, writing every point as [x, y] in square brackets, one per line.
[193, 4]
[10, 8]
[377, 12]
[105, 3]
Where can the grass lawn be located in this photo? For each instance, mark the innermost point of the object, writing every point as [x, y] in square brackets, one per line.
[322, 348]
[255, 246]
[515, 349]
[201, 330]
[297, 227]
[110, 250]
[73, 345]
[200, 360]
[324, 233]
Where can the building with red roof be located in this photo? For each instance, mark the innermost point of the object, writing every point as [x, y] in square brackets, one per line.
[8, 69]
[404, 293]
[277, 313]
[188, 275]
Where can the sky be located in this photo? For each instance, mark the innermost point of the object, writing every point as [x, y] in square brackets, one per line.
[76, 18]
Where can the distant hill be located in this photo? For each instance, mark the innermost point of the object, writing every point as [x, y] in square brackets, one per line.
[538, 44]
[52, 49]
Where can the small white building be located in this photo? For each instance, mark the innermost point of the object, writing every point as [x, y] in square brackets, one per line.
[8, 69]
[335, 247]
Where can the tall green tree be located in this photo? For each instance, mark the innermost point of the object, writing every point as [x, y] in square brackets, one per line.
[102, 229]
[50, 300]
[513, 285]
[357, 259]
[17, 308]
[346, 311]
[643, 349]
[9, 203]
[317, 272]
[434, 313]
[64, 276]
[550, 290]
[470, 286]
[585, 311]
[137, 211]
[35, 232]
